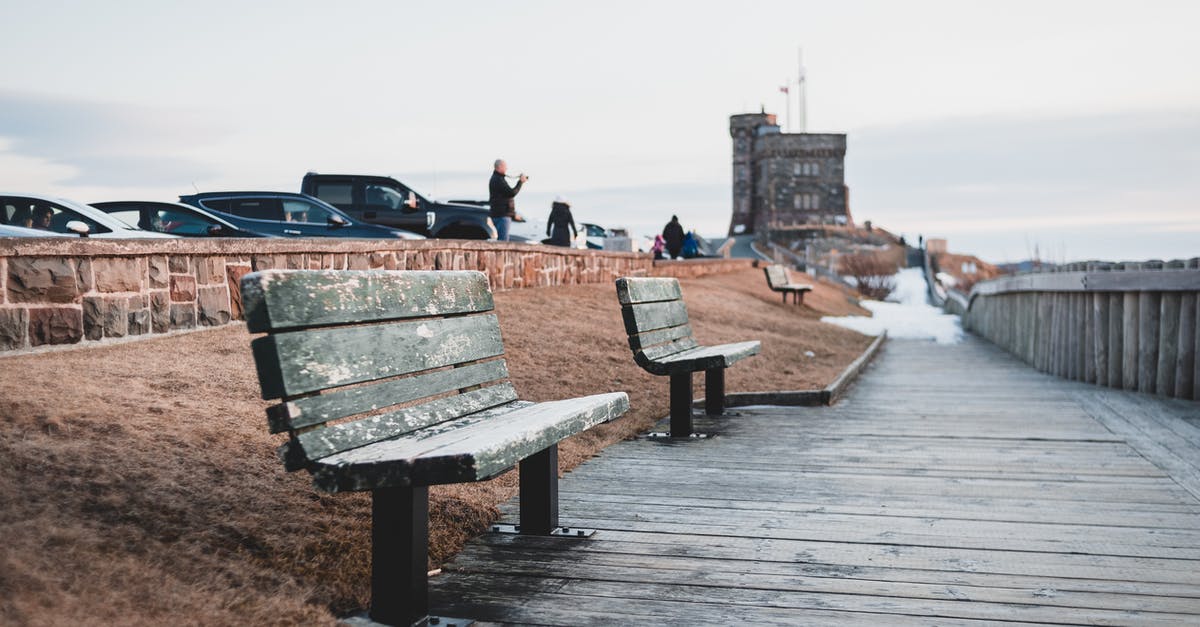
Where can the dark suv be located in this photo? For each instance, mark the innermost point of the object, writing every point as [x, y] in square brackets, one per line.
[384, 200]
[287, 215]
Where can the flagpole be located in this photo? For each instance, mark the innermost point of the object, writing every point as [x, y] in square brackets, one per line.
[802, 105]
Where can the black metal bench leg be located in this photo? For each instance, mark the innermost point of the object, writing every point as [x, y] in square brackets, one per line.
[399, 555]
[539, 492]
[784, 292]
[681, 405]
[714, 391]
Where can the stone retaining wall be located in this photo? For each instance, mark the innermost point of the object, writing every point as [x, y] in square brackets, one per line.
[69, 291]
[693, 268]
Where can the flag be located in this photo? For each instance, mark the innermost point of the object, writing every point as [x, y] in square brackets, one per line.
[784, 89]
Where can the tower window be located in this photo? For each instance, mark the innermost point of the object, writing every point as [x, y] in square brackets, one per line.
[816, 169]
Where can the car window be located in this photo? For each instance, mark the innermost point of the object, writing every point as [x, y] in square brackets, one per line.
[177, 221]
[47, 216]
[300, 210]
[334, 193]
[380, 197]
[130, 216]
[256, 208]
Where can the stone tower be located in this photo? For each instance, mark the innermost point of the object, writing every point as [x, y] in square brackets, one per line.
[785, 178]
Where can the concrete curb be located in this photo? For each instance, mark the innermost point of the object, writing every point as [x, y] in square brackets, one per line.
[828, 395]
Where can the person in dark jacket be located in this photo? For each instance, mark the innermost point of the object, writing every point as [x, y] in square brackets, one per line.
[556, 225]
[502, 199]
[673, 234]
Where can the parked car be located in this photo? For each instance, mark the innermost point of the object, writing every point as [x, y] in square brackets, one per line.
[384, 200]
[65, 217]
[285, 214]
[7, 230]
[174, 218]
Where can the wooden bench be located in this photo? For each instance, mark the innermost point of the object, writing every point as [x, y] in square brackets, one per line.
[656, 320]
[780, 280]
[411, 367]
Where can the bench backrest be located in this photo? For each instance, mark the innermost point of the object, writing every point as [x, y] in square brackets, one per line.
[362, 356]
[777, 275]
[655, 317]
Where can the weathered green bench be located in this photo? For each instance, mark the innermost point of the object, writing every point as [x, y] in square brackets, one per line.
[656, 320]
[395, 381]
[780, 280]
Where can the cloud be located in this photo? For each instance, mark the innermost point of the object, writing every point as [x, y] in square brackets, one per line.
[104, 144]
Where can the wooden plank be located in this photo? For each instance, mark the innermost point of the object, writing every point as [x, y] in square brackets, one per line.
[1149, 309]
[313, 410]
[290, 364]
[1129, 341]
[659, 336]
[702, 358]
[633, 290]
[1116, 341]
[287, 299]
[332, 439]
[837, 388]
[1185, 351]
[1168, 343]
[645, 317]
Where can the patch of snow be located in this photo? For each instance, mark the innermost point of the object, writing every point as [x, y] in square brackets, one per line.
[908, 314]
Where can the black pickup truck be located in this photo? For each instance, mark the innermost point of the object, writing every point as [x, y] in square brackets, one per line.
[385, 201]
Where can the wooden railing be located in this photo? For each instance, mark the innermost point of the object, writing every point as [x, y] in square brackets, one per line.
[1123, 325]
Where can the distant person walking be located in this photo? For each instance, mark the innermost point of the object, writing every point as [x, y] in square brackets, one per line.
[502, 199]
[691, 245]
[673, 236]
[657, 248]
[558, 222]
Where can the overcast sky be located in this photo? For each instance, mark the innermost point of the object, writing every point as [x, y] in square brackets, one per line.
[1070, 126]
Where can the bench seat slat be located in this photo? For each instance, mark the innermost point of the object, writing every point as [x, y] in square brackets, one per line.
[340, 403]
[651, 316]
[780, 280]
[631, 290]
[659, 336]
[290, 364]
[473, 448]
[319, 443]
[701, 358]
[671, 348]
[289, 299]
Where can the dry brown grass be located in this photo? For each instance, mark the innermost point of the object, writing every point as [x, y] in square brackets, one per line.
[139, 485]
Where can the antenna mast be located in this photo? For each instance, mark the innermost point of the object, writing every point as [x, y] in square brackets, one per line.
[802, 97]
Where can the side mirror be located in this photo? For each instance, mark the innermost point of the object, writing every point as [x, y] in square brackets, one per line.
[79, 228]
[337, 221]
[411, 203]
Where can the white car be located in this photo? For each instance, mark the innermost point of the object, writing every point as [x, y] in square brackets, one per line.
[8, 230]
[52, 215]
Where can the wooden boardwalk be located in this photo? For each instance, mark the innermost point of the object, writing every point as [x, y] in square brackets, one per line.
[953, 485]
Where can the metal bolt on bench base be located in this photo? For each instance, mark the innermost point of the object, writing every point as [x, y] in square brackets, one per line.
[560, 532]
[666, 435]
[362, 620]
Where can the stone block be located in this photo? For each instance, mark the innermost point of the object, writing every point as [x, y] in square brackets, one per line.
[183, 288]
[358, 261]
[117, 274]
[85, 276]
[139, 322]
[41, 280]
[105, 317]
[159, 272]
[183, 316]
[294, 262]
[160, 312]
[264, 262]
[180, 264]
[233, 281]
[14, 327]
[55, 325]
[210, 270]
[212, 306]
